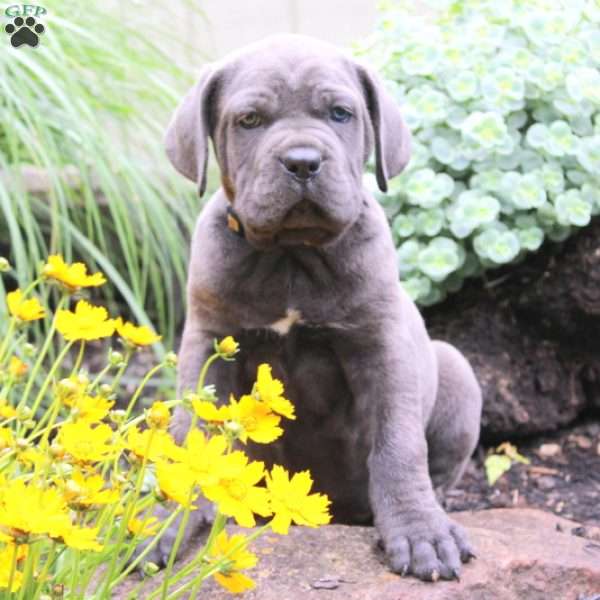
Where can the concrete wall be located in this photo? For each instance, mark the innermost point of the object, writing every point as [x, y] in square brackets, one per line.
[201, 30]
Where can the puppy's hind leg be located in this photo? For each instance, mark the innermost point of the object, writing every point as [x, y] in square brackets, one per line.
[453, 428]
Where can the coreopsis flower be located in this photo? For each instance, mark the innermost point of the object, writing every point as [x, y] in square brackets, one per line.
[86, 443]
[177, 482]
[210, 412]
[17, 368]
[26, 509]
[7, 439]
[159, 416]
[146, 527]
[70, 389]
[236, 493]
[134, 336]
[81, 491]
[80, 538]
[161, 447]
[229, 576]
[87, 322]
[24, 310]
[6, 560]
[291, 501]
[270, 391]
[6, 411]
[90, 409]
[203, 456]
[255, 420]
[227, 347]
[71, 277]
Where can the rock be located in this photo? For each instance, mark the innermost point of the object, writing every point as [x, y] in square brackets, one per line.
[549, 450]
[521, 555]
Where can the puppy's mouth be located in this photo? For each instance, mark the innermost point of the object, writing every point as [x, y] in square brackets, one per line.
[305, 224]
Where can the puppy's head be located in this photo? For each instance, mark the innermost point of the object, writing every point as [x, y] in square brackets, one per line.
[293, 122]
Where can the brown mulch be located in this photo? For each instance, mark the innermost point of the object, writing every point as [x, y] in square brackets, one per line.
[563, 477]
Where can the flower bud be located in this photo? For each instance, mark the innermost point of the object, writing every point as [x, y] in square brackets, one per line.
[116, 359]
[233, 427]
[105, 391]
[22, 444]
[150, 569]
[24, 413]
[29, 350]
[4, 265]
[208, 394]
[57, 450]
[227, 347]
[171, 360]
[159, 416]
[117, 416]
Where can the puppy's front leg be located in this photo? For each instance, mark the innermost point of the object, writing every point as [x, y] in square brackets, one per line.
[418, 536]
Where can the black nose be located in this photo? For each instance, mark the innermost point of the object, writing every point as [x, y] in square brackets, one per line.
[302, 162]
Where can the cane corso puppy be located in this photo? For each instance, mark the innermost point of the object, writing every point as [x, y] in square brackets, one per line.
[294, 258]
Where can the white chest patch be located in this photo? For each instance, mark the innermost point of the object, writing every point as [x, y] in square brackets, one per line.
[283, 325]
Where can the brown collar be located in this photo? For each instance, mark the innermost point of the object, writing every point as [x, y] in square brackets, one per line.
[234, 223]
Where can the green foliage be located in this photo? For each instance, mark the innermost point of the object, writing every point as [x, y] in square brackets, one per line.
[503, 99]
[89, 107]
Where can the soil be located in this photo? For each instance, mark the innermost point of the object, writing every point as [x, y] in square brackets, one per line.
[563, 477]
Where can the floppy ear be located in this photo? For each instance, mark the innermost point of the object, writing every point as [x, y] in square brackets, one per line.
[392, 137]
[186, 140]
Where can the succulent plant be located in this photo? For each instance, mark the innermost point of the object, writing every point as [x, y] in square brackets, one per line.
[503, 99]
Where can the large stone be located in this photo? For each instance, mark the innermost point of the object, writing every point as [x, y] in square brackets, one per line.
[523, 554]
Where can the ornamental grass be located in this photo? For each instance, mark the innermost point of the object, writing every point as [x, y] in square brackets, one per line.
[80, 479]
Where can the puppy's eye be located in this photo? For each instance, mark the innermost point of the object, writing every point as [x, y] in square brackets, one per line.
[340, 114]
[250, 120]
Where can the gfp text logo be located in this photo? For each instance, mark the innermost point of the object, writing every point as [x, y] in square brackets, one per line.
[25, 27]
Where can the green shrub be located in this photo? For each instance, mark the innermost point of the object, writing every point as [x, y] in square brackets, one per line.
[503, 99]
[92, 101]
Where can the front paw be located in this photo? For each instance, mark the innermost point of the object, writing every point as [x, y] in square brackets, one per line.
[429, 547]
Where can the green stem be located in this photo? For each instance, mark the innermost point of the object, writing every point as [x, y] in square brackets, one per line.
[11, 328]
[210, 569]
[57, 401]
[42, 576]
[126, 516]
[42, 355]
[79, 358]
[140, 388]
[121, 370]
[13, 569]
[178, 540]
[204, 371]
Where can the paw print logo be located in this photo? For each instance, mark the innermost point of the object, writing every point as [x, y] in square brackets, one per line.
[24, 31]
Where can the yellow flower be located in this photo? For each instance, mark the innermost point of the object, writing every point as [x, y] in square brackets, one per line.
[86, 443]
[270, 391]
[227, 347]
[6, 438]
[81, 491]
[72, 277]
[32, 457]
[91, 409]
[177, 482]
[143, 527]
[6, 560]
[86, 323]
[27, 509]
[203, 456]
[235, 551]
[208, 411]
[70, 389]
[24, 310]
[136, 336]
[17, 368]
[255, 420]
[80, 538]
[291, 501]
[161, 447]
[158, 416]
[236, 493]
[6, 410]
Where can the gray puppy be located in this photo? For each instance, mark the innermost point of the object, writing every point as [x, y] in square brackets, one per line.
[309, 284]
